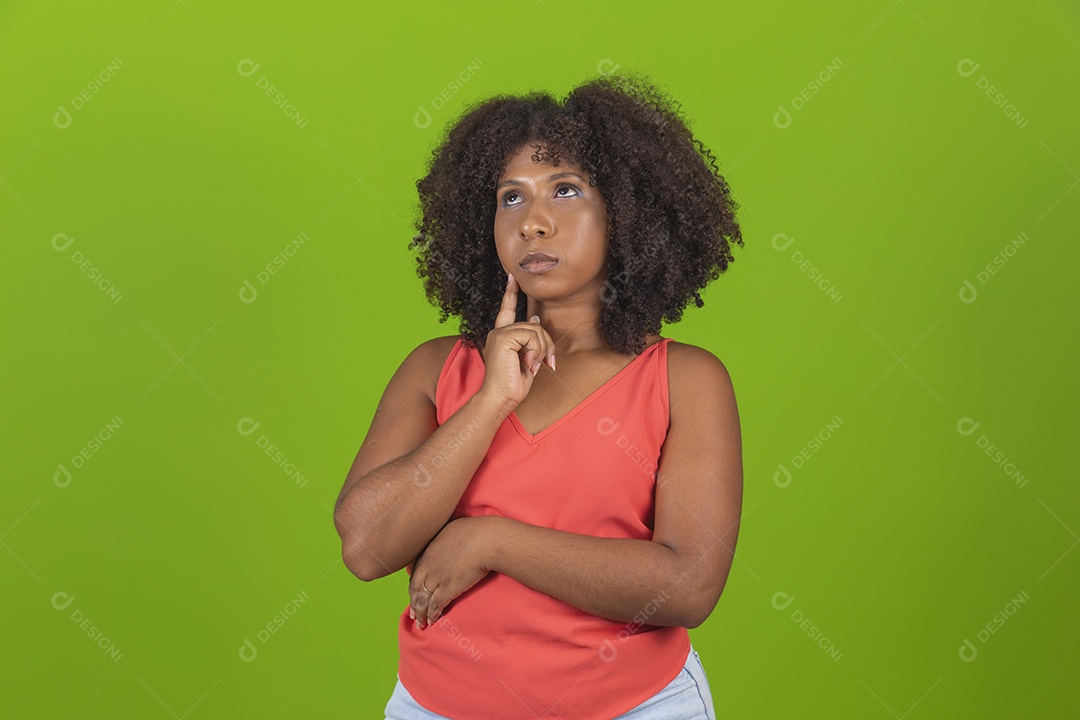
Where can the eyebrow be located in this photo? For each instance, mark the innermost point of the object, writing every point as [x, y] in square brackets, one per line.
[555, 176]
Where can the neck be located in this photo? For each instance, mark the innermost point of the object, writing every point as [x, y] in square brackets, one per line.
[575, 327]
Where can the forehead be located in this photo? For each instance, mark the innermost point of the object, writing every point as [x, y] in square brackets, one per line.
[520, 164]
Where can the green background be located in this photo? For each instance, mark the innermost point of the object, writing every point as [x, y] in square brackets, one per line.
[898, 180]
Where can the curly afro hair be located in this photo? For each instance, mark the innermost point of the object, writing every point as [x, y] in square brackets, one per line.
[671, 215]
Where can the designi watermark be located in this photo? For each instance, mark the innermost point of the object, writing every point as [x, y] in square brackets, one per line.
[63, 117]
[608, 651]
[422, 117]
[644, 461]
[247, 67]
[968, 650]
[246, 426]
[967, 67]
[782, 600]
[459, 638]
[422, 475]
[968, 292]
[781, 242]
[61, 242]
[248, 650]
[62, 476]
[248, 292]
[782, 118]
[782, 476]
[966, 427]
[62, 601]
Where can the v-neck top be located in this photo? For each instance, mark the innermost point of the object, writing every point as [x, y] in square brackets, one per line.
[530, 437]
[502, 649]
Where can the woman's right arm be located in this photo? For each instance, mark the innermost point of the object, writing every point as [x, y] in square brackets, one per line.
[410, 472]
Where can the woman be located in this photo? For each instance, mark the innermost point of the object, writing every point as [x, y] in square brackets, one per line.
[562, 529]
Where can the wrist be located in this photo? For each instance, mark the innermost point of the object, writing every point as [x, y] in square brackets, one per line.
[489, 541]
[495, 409]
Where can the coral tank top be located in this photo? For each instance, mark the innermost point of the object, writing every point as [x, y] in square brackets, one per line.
[503, 650]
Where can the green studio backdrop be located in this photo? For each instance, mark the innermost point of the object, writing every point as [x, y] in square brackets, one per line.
[206, 209]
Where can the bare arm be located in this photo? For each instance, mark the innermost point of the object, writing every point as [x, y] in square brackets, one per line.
[410, 472]
[677, 577]
[620, 579]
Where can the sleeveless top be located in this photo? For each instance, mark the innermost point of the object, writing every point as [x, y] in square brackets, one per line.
[503, 650]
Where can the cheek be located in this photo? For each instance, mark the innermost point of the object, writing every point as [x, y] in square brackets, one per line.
[594, 226]
[506, 230]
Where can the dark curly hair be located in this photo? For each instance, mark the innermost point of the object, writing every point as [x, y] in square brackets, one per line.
[671, 215]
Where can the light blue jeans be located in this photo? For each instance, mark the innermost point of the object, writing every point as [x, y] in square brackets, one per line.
[687, 697]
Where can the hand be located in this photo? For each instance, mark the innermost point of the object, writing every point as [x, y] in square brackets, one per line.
[454, 561]
[514, 351]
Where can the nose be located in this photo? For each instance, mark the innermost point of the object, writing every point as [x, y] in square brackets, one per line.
[535, 223]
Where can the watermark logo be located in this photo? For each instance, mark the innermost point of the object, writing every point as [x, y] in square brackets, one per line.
[968, 292]
[608, 651]
[248, 650]
[247, 67]
[607, 66]
[967, 427]
[246, 426]
[968, 650]
[63, 117]
[61, 242]
[782, 118]
[781, 242]
[422, 476]
[647, 253]
[782, 600]
[248, 292]
[459, 638]
[62, 476]
[422, 117]
[642, 459]
[967, 67]
[449, 270]
[62, 601]
[782, 476]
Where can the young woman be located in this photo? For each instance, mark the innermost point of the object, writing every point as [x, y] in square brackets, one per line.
[562, 528]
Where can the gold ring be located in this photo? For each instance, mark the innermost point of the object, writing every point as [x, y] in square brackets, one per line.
[424, 585]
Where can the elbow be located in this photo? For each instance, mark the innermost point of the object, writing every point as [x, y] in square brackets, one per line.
[700, 606]
[695, 619]
[365, 571]
[357, 557]
[362, 573]
[696, 615]
[692, 614]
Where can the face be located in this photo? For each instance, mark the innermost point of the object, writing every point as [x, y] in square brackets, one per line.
[552, 210]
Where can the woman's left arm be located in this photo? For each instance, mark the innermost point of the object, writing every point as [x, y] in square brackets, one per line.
[674, 579]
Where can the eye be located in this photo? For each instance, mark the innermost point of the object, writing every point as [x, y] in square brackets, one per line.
[511, 193]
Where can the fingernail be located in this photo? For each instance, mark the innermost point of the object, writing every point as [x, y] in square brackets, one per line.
[535, 319]
[536, 367]
[552, 362]
[412, 613]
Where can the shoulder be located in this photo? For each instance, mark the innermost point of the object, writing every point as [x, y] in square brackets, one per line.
[694, 373]
[428, 359]
[691, 357]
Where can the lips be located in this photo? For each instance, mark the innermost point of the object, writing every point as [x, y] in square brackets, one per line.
[536, 257]
[538, 263]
